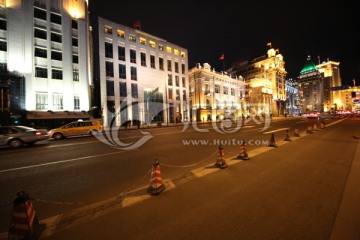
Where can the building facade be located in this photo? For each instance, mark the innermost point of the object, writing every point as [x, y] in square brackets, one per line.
[47, 44]
[292, 97]
[215, 96]
[271, 67]
[142, 77]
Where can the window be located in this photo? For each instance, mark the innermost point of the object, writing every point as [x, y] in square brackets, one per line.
[41, 101]
[41, 72]
[121, 53]
[75, 58]
[182, 54]
[176, 67]
[143, 59]
[76, 103]
[142, 40]
[132, 38]
[132, 56]
[184, 95]
[123, 89]
[40, 52]
[183, 68]
[225, 90]
[109, 88]
[176, 52]
[55, 18]
[152, 61]
[122, 71]
[39, 14]
[108, 50]
[169, 65]
[55, 37]
[134, 90]
[169, 79]
[232, 91]
[3, 46]
[217, 88]
[57, 101]
[161, 63]
[120, 33]
[75, 75]
[170, 93]
[74, 24]
[108, 29]
[56, 55]
[183, 82]
[56, 74]
[3, 67]
[39, 33]
[152, 44]
[133, 73]
[3, 24]
[75, 42]
[169, 49]
[109, 69]
[177, 94]
[161, 47]
[177, 81]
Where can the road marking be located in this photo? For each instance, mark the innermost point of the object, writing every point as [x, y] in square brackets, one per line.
[276, 130]
[58, 162]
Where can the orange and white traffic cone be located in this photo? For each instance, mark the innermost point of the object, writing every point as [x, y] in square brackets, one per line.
[287, 136]
[315, 128]
[309, 130]
[24, 222]
[220, 161]
[296, 133]
[156, 183]
[272, 141]
[322, 125]
[243, 152]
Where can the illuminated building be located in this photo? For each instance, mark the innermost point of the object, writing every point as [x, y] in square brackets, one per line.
[271, 67]
[141, 76]
[348, 98]
[292, 97]
[215, 96]
[47, 44]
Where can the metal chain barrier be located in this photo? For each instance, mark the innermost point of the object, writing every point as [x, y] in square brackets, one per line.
[190, 165]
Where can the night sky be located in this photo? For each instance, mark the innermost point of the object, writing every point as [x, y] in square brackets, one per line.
[241, 29]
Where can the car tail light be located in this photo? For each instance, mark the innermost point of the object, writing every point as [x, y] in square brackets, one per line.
[37, 133]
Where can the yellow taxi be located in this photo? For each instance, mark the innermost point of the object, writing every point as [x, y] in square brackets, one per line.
[77, 128]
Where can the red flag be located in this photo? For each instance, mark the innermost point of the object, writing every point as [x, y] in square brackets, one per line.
[222, 57]
[137, 24]
[268, 44]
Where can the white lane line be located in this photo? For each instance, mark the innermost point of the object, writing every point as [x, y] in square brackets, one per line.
[58, 162]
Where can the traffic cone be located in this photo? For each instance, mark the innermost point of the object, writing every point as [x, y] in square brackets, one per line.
[156, 183]
[322, 125]
[315, 128]
[309, 130]
[287, 136]
[243, 152]
[24, 222]
[272, 141]
[296, 133]
[220, 162]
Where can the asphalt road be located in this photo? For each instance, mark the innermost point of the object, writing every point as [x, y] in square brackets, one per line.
[203, 196]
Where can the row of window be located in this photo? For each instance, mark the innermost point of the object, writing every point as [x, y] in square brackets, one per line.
[142, 40]
[110, 91]
[55, 55]
[143, 58]
[55, 37]
[54, 17]
[42, 72]
[57, 101]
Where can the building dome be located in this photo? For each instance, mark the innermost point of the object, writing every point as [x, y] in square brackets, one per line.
[309, 66]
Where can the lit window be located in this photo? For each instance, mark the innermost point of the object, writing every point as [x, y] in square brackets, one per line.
[143, 41]
[132, 38]
[183, 54]
[161, 47]
[41, 101]
[57, 101]
[121, 33]
[176, 52]
[169, 49]
[152, 44]
[108, 29]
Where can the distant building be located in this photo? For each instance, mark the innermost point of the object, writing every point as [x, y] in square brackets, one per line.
[271, 67]
[315, 84]
[292, 97]
[46, 45]
[347, 98]
[140, 76]
[215, 96]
